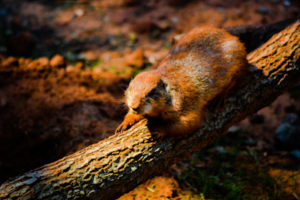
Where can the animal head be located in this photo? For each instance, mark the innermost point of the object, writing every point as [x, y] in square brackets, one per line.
[147, 94]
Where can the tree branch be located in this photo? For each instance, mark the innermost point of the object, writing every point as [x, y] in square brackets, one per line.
[116, 165]
[255, 35]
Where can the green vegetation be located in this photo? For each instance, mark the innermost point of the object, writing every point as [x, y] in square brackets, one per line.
[132, 39]
[94, 64]
[230, 170]
[190, 196]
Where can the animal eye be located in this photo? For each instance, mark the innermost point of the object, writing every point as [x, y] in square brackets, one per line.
[135, 109]
[148, 100]
[152, 93]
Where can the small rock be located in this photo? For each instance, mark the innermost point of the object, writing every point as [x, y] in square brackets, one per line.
[144, 25]
[71, 68]
[287, 135]
[233, 129]
[78, 13]
[176, 38]
[57, 61]
[163, 24]
[43, 61]
[106, 19]
[89, 55]
[221, 9]
[263, 10]
[3, 100]
[3, 12]
[174, 20]
[132, 38]
[9, 62]
[79, 65]
[250, 142]
[3, 49]
[296, 154]
[136, 59]
[23, 61]
[39, 64]
[221, 149]
[287, 3]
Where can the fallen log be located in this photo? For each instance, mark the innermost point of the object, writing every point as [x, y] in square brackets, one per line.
[117, 164]
[255, 35]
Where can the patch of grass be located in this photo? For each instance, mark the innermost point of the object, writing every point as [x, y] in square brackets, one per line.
[70, 57]
[233, 173]
[94, 64]
[132, 39]
[112, 68]
[167, 45]
[189, 196]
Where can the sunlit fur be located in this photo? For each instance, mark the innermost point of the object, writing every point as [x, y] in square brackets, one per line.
[205, 63]
[153, 100]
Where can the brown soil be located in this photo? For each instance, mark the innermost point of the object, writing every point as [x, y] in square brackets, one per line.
[48, 112]
[51, 108]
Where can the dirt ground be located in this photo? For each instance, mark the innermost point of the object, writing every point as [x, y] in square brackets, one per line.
[64, 66]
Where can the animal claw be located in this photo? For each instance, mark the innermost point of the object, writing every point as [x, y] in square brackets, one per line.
[128, 122]
[121, 128]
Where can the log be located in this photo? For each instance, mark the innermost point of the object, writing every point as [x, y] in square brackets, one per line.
[255, 35]
[118, 164]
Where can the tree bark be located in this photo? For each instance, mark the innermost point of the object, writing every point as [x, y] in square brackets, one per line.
[116, 165]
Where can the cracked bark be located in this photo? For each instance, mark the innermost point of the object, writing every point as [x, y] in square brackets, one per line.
[116, 165]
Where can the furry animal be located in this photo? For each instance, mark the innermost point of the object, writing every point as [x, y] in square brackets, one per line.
[204, 64]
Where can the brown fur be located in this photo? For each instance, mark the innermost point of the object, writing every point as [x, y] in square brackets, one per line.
[202, 65]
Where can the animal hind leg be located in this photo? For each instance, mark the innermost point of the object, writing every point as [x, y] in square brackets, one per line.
[185, 125]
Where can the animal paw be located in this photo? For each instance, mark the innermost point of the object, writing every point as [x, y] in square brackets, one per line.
[129, 121]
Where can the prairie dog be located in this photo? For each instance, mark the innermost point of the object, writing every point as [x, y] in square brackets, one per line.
[205, 63]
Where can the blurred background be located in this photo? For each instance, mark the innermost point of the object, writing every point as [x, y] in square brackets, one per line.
[64, 66]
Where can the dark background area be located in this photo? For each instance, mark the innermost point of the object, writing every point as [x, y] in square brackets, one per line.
[64, 66]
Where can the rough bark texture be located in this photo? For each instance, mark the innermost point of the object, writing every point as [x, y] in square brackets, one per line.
[115, 165]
